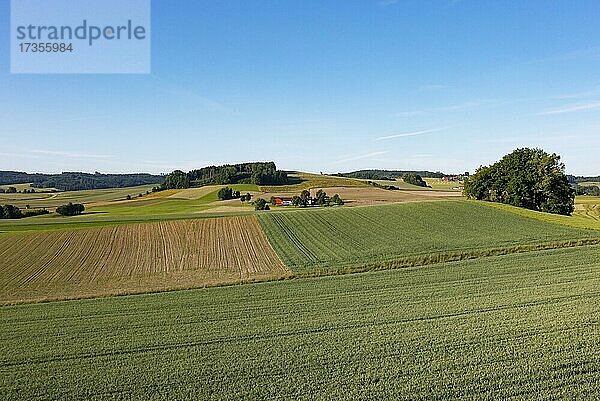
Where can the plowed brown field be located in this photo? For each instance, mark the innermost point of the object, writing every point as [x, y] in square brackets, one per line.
[134, 258]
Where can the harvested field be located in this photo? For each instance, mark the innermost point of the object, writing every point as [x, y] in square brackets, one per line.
[134, 258]
[357, 196]
[194, 193]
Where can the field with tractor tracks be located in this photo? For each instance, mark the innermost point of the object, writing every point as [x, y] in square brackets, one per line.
[134, 258]
[516, 327]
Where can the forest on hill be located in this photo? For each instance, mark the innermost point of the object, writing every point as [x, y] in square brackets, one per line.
[74, 181]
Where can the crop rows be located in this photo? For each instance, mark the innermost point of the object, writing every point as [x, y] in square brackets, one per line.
[134, 258]
[516, 326]
[315, 240]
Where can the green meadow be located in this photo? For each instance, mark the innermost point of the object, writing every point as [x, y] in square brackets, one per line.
[330, 239]
[517, 327]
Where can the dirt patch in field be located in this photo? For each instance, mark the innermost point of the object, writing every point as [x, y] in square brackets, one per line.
[134, 258]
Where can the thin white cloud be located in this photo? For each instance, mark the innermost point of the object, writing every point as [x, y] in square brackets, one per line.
[414, 133]
[361, 157]
[409, 113]
[572, 108]
[432, 87]
[70, 154]
[456, 108]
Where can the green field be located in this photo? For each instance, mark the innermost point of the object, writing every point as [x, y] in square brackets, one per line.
[107, 207]
[301, 181]
[52, 200]
[310, 240]
[518, 326]
[437, 183]
[586, 214]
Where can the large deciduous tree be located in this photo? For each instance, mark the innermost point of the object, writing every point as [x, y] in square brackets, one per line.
[528, 178]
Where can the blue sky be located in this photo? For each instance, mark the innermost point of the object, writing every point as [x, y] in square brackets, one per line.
[322, 86]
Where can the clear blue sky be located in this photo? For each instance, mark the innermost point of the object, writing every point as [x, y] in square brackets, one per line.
[322, 86]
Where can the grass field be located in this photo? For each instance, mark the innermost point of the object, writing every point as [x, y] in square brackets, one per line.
[309, 240]
[585, 215]
[309, 181]
[438, 184]
[134, 258]
[52, 200]
[513, 327]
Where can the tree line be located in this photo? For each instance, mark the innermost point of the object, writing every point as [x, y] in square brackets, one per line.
[390, 175]
[589, 190]
[75, 181]
[14, 212]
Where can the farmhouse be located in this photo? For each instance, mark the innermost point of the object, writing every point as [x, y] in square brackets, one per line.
[283, 201]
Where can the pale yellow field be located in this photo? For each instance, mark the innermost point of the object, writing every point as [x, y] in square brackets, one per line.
[134, 258]
[194, 193]
[373, 196]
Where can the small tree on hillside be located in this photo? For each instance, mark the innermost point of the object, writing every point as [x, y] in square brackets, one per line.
[70, 209]
[304, 197]
[321, 197]
[261, 204]
[225, 193]
[336, 200]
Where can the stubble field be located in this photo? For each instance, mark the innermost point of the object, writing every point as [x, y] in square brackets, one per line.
[137, 258]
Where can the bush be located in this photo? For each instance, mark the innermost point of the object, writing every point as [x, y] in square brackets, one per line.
[336, 200]
[34, 212]
[70, 209]
[261, 204]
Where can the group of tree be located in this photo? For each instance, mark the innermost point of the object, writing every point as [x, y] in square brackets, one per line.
[13, 212]
[261, 204]
[575, 179]
[70, 209]
[259, 173]
[227, 193]
[320, 199]
[414, 179]
[176, 180]
[589, 190]
[73, 181]
[14, 190]
[391, 175]
[10, 212]
[528, 178]
[382, 186]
